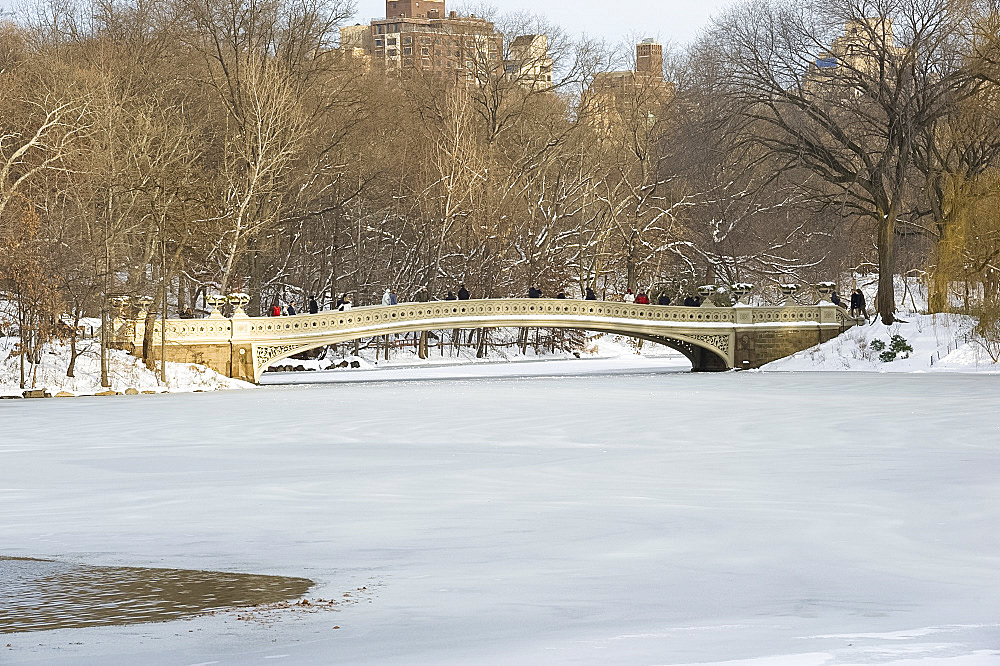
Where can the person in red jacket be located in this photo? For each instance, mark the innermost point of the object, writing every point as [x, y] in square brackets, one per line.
[275, 310]
[642, 298]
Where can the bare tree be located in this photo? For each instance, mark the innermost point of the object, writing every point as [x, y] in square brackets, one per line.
[848, 106]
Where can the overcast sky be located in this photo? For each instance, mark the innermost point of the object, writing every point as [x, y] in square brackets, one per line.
[668, 20]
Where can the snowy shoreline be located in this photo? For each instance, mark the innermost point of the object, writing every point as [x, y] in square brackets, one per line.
[940, 343]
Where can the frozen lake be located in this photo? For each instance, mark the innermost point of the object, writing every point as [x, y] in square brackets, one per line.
[657, 517]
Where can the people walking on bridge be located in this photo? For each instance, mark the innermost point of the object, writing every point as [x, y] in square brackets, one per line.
[629, 297]
[641, 298]
[422, 295]
[345, 303]
[291, 309]
[591, 296]
[450, 296]
[663, 299]
[340, 301]
[393, 299]
[386, 298]
[835, 298]
[534, 293]
[275, 309]
[313, 305]
[463, 293]
[561, 294]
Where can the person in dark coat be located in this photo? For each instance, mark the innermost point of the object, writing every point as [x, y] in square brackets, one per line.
[451, 296]
[835, 299]
[463, 293]
[591, 296]
[688, 302]
[291, 309]
[858, 306]
[663, 300]
[561, 294]
[313, 305]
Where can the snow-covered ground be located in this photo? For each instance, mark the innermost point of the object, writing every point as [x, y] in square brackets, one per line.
[124, 371]
[659, 517]
[940, 343]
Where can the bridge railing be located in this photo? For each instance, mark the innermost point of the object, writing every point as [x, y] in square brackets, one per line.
[217, 328]
[509, 309]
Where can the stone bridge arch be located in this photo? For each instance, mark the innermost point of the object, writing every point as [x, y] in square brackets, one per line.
[705, 352]
[711, 338]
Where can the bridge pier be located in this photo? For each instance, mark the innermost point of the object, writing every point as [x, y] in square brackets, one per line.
[755, 348]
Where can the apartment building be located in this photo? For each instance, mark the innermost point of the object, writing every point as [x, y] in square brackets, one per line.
[528, 61]
[615, 95]
[417, 35]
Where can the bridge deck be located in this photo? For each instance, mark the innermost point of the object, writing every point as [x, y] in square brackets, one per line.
[268, 339]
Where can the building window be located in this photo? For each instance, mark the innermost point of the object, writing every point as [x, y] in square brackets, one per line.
[391, 41]
[425, 51]
[407, 40]
[392, 53]
[407, 50]
[378, 42]
[427, 63]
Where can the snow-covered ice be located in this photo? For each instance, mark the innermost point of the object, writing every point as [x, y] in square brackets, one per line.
[657, 517]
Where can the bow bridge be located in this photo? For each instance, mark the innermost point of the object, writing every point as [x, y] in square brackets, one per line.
[712, 338]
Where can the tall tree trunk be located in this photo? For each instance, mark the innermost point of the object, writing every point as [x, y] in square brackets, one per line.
[941, 275]
[73, 353]
[885, 301]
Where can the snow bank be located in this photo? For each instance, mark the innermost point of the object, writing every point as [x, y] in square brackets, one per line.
[124, 370]
[940, 342]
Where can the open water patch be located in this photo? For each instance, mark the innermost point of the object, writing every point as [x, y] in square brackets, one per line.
[38, 595]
